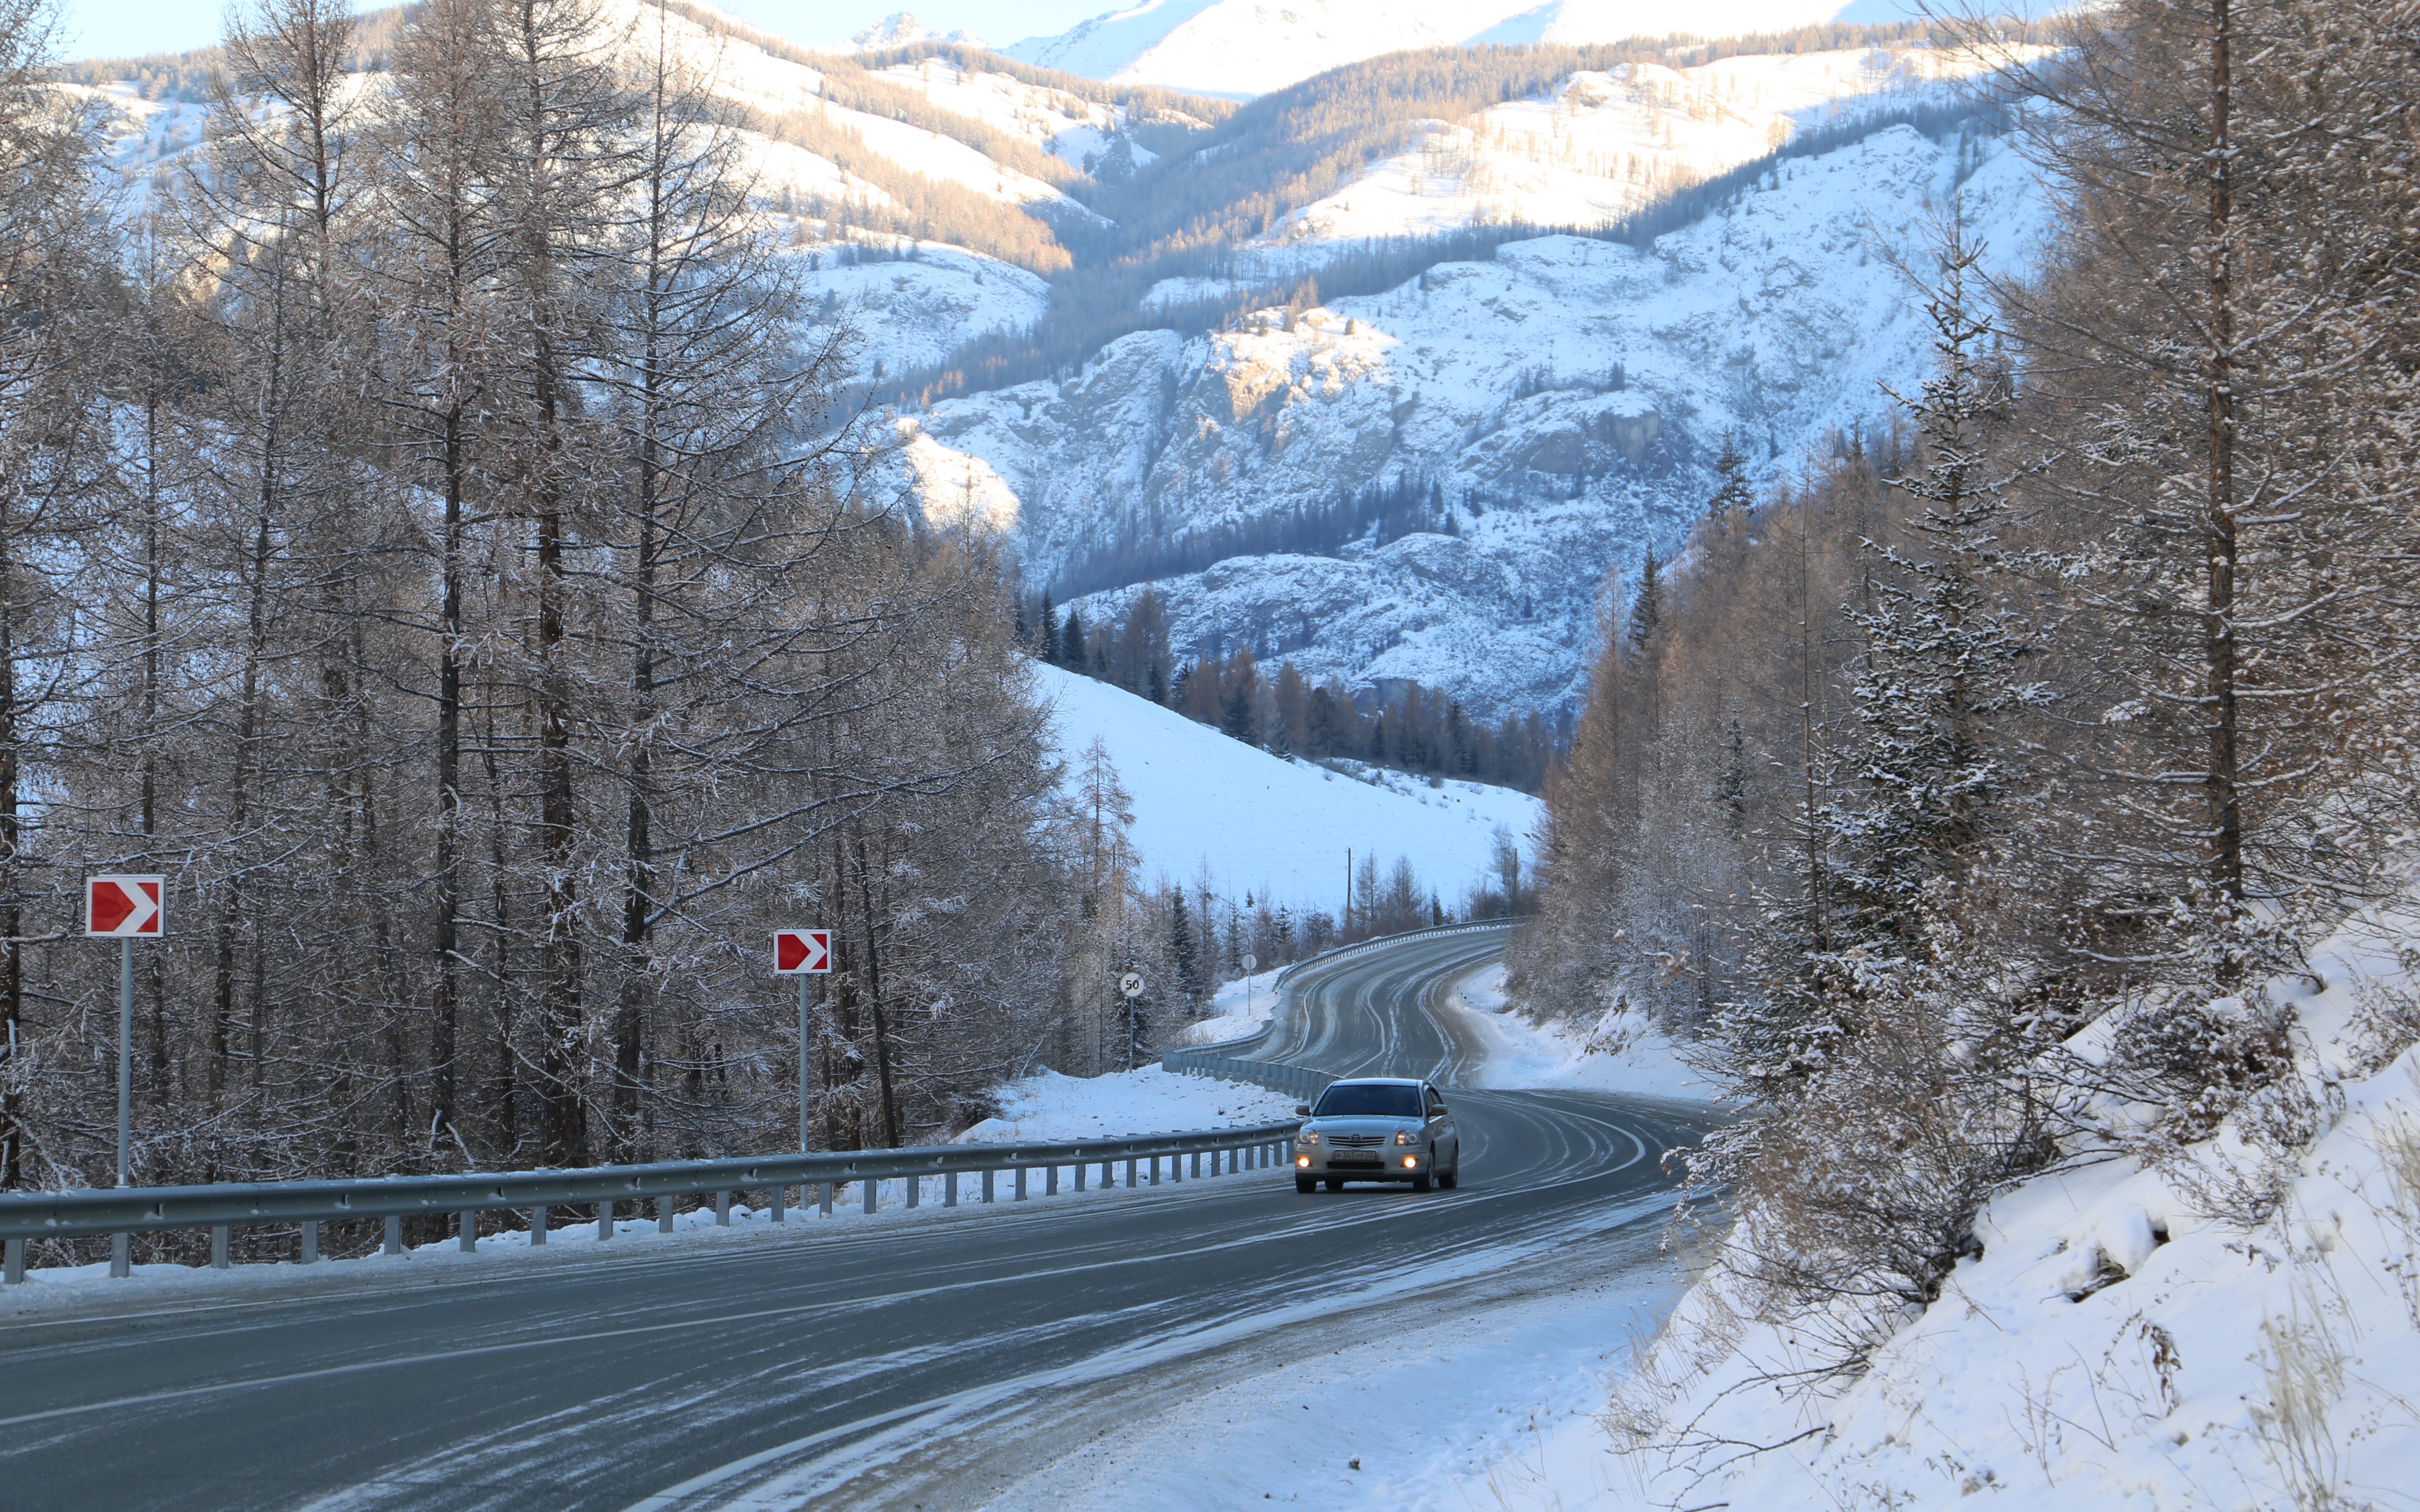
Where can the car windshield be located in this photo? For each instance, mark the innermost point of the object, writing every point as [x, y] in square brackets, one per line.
[1373, 1100]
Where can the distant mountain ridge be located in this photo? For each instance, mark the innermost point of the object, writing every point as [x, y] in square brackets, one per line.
[1241, 48]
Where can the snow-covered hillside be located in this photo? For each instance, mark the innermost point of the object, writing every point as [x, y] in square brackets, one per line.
[1602, 146]
[1569, 395]
[1248, 47]
[2235, 1326]
[1275, 829]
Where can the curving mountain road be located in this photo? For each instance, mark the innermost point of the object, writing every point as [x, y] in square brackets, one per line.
[866, 1367]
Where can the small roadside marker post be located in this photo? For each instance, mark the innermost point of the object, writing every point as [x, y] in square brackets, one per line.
[1130, 987]
[125, 908]
[802, 953]
[1251, 963]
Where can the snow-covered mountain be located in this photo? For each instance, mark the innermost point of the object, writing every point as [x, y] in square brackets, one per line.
[1240, 48]
[1561, 397]
[1568, 396]
[902, 29]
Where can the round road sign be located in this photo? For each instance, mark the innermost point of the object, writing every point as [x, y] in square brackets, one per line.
[1131, 984]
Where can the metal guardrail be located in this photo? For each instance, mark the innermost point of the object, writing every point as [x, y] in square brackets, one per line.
[122, 1211]
[1215, 1059]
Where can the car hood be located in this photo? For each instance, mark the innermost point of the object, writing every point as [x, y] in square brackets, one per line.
[1362, 1123]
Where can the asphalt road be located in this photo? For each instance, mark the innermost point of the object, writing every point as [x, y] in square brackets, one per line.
[783, 1370]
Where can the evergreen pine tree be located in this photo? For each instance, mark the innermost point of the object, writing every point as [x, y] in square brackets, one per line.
[1733, 493]
[1647, 606]
[1155, 684]
[1240, 715]
[1182, 951]
[1071, 643]
[1049, 630]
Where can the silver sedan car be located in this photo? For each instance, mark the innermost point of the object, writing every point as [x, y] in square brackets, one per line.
[1377, 1129]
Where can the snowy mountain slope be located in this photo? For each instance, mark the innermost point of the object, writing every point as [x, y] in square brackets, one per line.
[1604, 145]
[1259, 824]
[1567, 395]
[1055, 121]
[1248, 46]
[914, 308]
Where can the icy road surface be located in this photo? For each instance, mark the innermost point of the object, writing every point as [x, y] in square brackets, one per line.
[925, 1364]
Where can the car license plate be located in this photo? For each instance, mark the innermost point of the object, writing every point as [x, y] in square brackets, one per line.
[1352, 1158]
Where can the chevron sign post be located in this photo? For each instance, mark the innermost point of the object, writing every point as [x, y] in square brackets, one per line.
[803, 953]
[125, 909]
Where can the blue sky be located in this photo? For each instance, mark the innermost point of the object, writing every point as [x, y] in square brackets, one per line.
[117, 28]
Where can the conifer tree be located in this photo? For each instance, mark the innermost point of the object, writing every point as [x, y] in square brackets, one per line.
[1733, 494]
[1647, 605]
[1182, 950]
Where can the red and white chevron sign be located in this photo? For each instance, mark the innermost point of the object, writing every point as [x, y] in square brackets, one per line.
[117, 906]
[802, 952]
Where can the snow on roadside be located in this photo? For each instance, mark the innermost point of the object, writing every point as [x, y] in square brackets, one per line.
[1619, 1053]
[1048, 1106]
[2130, 1336]
[1444, 1411]
[1240, 1007]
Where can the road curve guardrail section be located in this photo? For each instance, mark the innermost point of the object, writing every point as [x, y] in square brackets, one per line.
[1221, 1060]
[220, 1206]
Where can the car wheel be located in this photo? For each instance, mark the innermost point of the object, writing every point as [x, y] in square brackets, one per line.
[1421, 1182]
[1303, 1183]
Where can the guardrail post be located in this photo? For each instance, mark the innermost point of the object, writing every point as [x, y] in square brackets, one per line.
[1130, 1173]
[1197, 1165]
[780, 1204]
[949, 1189]
[988, 1176]
[722, 1209]
[824, 1191]
[915, 1191]
[1020, 1183]
[1050, 1180]
[219, 1247]
[873, 1193]
[667, 1209]
[538, 1225]
[470, 1240]
[12, 1268]
[1155, 1171]
[310, 1241]
[1109, 1175]
[1080, 1174]
[604, 1217]
[121, 1260]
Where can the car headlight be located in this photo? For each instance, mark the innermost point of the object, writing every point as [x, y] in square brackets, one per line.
[1309, 1136]
[1405, 1136]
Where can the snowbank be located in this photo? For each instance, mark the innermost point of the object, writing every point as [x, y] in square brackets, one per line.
[1240, 1007]
[2130, 1337]
[1047, 1105]
[1266, 825]
[1619, 1053]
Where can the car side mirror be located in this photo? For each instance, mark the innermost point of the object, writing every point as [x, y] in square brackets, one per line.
[1302, 1110]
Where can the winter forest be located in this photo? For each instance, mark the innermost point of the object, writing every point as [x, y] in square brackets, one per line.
[2080, 688]
[432, 538]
